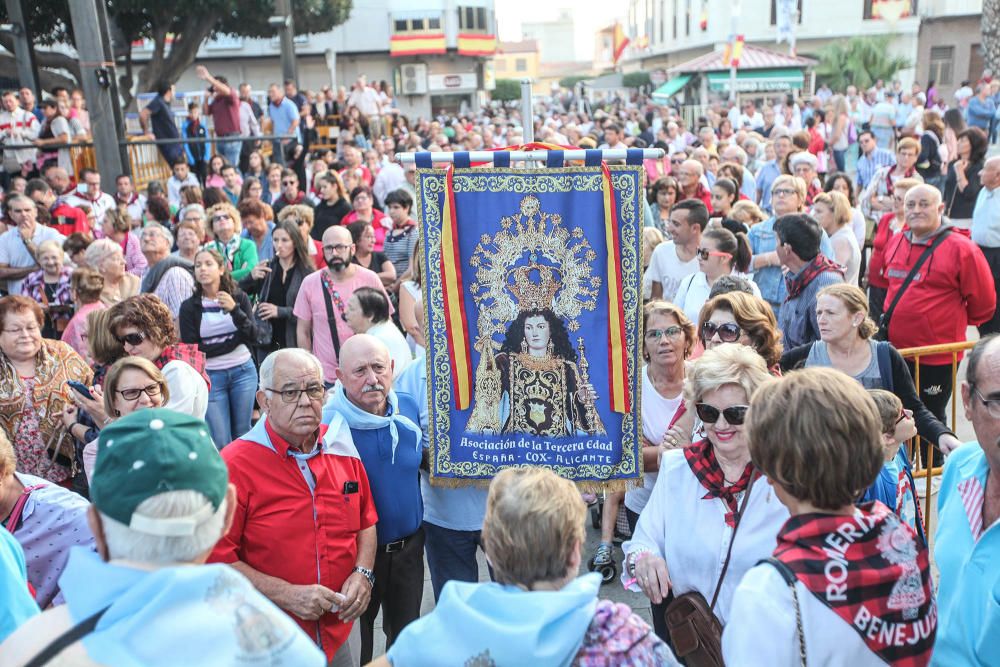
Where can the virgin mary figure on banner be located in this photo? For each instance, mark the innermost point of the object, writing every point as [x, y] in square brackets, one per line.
[530, 272]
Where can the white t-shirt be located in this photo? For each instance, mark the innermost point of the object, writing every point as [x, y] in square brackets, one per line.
[693, 292]
[399, 351]
[657, 413]
[666, 268]
[845, 235]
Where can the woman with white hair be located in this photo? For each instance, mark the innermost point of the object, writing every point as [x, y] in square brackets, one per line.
[106, 257]
[538, 612]
[707, 520]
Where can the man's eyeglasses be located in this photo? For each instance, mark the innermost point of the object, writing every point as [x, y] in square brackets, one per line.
[133, 394]
[992, 405]
[313, 392]
[729, 332]
[669, 332]
[340, 247]
[735, 415]
[133, 339]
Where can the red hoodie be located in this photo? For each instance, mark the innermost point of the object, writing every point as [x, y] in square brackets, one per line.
[953, 289]
[68, 219]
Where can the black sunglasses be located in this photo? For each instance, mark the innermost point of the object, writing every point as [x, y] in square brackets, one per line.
[728, 332]
[132, 339]
[735, 415]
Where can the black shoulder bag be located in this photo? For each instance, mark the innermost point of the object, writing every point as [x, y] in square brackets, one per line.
[331, 318]
[883, 322]
[66, 639]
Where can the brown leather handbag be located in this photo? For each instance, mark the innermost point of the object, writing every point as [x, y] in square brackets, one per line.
[695, 630]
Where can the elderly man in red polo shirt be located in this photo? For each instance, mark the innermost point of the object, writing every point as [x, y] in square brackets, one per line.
[304, 530]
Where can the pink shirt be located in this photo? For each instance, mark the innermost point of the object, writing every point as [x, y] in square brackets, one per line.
[75, 334]
[310, 306]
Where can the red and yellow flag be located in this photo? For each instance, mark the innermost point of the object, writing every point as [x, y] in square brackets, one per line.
[620, 42]
[456, 325]
[476, 45]
[416, 45]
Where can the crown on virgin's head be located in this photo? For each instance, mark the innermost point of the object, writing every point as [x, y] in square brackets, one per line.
[531, 294]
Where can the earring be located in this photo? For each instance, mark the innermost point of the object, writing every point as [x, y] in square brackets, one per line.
[550, 348]
[524, 346]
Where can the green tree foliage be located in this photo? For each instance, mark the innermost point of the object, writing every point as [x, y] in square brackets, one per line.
[569, 82]
[860, 61]
[177, 28]
[507, 90]
[636, 80]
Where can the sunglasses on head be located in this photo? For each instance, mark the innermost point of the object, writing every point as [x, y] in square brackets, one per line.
[735, 414]
[728, 332]
[133, 339]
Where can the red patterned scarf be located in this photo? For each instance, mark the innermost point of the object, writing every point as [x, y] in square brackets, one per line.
[701, 458]
[890, 185]
[189, 354]
[870, 570]
[819, 264]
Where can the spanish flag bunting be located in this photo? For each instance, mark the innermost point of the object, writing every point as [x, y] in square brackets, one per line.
[703, 21]
[620, 42]
[416, 45]
[476, 45]
[737, 50]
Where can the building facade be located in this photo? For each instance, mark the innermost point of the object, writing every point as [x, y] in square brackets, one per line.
[556, 38]
[437, 54]
[939, 37]
[668, 32]
[519, 60]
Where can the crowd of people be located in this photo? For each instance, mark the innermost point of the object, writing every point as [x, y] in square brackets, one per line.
[227, 368]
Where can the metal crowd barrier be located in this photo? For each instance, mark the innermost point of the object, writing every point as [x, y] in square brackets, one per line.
[923, 461]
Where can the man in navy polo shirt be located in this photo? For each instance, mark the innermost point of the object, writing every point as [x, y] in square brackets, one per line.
[384, 426]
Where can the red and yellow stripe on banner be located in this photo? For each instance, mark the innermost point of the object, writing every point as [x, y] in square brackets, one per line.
[476, 45]
[617, 363]
[456, 326]
[415, 45]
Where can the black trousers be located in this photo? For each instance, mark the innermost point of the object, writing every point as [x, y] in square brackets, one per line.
[935, 391]
[992, 326]
[657, 611]
[398, 591]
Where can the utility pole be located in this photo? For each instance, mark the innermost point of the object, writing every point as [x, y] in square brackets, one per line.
[286, 33]
[97, 75]
[24, 54]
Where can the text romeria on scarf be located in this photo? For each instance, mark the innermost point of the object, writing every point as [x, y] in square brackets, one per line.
[870, 570]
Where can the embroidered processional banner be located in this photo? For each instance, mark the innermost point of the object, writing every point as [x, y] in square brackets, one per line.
[532, 320]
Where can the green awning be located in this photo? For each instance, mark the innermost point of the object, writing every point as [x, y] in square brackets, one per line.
[671, 88]
[758, 80]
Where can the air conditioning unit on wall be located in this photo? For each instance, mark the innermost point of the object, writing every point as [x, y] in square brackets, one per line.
[413, 79]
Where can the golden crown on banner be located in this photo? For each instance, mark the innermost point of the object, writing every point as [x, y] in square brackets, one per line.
[532, 295]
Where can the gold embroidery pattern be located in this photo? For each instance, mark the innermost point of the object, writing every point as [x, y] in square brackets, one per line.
[429, 197]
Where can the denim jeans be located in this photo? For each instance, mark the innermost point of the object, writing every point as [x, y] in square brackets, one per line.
[230, 150]
[838, 159]
[230, 402]
[451, 555]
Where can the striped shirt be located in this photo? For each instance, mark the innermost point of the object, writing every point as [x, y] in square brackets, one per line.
[971, 493]
[399, 249]
[869, 164]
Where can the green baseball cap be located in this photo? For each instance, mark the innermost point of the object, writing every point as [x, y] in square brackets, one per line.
[150, 452]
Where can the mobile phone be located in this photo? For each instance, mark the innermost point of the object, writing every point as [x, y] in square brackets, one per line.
[80, 388]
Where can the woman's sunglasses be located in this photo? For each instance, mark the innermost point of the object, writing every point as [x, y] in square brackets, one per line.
[705, 253]
[132, 339]
[735, 415]
[728, 332]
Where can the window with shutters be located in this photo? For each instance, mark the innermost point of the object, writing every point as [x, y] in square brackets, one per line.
[942, 65]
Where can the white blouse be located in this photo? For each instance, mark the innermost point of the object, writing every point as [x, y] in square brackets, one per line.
[690, 532]
[762, 629]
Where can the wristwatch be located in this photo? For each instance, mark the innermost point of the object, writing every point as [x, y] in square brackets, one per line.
[369, 575]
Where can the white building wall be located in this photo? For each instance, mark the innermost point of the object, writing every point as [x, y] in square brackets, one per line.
[556, 39]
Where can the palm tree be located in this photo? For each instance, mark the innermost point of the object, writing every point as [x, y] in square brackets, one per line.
[861, 61]
[991, 34]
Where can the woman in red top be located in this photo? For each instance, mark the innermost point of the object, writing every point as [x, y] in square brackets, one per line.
[363, 203]
[890, 224]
